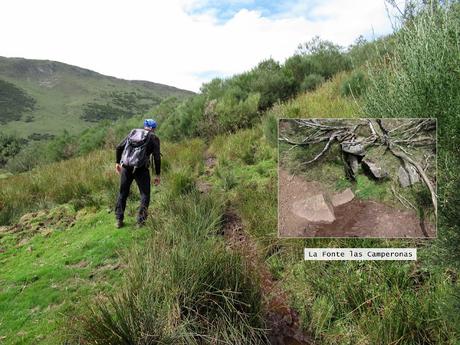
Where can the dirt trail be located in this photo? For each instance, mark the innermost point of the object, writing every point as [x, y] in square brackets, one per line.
[282, 320]
[357, 218]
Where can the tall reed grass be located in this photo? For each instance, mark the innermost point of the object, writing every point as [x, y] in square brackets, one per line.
[421, 78]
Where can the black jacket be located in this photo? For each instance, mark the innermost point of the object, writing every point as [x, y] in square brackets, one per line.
[153, 150]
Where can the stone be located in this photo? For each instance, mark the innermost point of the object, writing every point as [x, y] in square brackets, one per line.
[354, 164]
[203, 187]
[343, 197]
[408, 175]
[315, 209]
[353, 148]
[46, 232]
[374, 169]
[23, 242]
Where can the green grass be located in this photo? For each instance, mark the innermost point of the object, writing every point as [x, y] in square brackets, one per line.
[48, 279]
[371, 302]
[4, 175]
[92, 179]
[185, 286]
[328, 170]
[366, 188]
[341, 303]
[326, 101]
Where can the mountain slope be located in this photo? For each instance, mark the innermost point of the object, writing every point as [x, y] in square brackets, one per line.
[45, 97]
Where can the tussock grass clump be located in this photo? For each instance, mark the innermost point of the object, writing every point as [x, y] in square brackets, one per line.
[184, 287]
[180, 182]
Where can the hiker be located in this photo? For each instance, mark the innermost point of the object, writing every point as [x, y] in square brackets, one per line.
[134, 155]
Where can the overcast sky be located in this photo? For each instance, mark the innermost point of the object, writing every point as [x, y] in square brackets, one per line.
[182, 43]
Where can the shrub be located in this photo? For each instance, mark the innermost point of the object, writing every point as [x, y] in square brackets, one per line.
[311, 82]
[28, 158]
[10, 145]
[421, 79]
[326, 57]
[355, 85]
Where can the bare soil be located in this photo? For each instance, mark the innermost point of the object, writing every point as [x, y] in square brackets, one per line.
[282, 320]
[357, 218]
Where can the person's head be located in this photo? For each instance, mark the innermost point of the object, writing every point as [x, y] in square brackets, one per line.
[150, 124]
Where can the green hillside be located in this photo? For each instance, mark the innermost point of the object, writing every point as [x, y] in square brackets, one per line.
[45, 97]
[209, 267]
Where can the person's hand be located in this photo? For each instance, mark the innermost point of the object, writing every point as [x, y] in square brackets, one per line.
[118, 168]
[156, 181]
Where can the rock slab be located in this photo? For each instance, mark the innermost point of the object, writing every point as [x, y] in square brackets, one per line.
[374, 169]
[354, 164]
[315, 209]
[343, 197]
[353, 148]
[408, 175]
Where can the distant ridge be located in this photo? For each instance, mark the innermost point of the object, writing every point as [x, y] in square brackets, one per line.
[69, 97]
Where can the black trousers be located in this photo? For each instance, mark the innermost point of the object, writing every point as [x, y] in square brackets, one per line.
[142, 178]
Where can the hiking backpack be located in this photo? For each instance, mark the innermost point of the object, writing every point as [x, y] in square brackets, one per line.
[135, 152]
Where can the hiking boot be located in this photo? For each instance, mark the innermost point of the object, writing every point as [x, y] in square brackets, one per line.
[119, 224]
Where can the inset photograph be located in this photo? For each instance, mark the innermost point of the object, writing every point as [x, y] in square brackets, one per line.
[373, 178]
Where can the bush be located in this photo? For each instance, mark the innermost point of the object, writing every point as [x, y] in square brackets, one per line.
[184, 122]
[27, 159]
[421, 79]
[355, 85]
[271, 82]
[326, 57]
[10, 145]
[311, 82]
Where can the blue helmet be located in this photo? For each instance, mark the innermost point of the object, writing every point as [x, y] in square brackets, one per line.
[150, 123]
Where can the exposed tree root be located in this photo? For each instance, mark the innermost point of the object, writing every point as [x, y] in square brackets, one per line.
[398, 140]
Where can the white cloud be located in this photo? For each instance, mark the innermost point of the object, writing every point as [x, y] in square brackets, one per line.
[163, 42]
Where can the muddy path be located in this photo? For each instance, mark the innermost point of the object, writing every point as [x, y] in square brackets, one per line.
[357, 218]
[283, 321]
